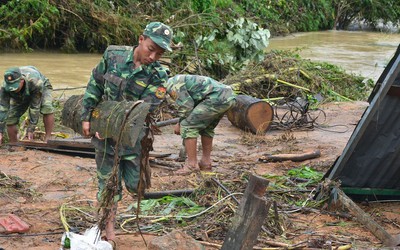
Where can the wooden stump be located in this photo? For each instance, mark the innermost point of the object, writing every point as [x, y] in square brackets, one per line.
[249, 217]
[251, 114]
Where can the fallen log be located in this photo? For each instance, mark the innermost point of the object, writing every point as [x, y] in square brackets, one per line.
[108, 118]
[290, 157]
[250, 216]
[362, 217]
[251, 114]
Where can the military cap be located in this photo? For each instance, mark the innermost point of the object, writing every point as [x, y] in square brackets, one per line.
[159, 33]
[12, 77]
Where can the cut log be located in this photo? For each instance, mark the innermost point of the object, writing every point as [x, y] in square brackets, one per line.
[108, 118]
[249, 218]
[251, 114]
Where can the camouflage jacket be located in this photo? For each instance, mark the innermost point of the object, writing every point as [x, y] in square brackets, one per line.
[32, 91]
[115, 79]
[189, 90]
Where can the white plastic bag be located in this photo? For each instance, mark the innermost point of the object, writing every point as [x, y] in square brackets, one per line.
[90, 240]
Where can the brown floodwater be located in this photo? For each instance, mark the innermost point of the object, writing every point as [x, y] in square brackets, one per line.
[358, 52]
[63, 70]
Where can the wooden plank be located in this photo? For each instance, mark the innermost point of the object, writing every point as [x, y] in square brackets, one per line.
[75, 146]
[58, 148]
[249, 218]
[79, 142]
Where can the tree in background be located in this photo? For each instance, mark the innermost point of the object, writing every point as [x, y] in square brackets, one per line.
[213, 37]
[370, 12]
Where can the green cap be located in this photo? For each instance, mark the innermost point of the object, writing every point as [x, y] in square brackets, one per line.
[160, 33]
[12, 77]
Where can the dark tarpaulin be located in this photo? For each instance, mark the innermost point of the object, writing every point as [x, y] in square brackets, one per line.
[371, 158]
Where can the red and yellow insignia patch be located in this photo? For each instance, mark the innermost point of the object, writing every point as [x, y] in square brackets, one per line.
[160, 92]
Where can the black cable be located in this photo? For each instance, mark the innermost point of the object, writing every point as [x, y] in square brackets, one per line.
[28, 235]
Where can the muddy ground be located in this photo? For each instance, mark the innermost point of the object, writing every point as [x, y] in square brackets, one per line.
[47, 181]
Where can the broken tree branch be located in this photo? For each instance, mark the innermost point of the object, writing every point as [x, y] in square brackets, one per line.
[290, 157]
[368, 222]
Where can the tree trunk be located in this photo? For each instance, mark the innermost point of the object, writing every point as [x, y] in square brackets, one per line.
[251, 114]
[108, 118]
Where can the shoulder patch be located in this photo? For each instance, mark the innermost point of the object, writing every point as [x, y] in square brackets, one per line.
[160, 92]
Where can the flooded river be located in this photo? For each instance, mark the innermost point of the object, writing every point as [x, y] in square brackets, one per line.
[358, 52]
[364, 53]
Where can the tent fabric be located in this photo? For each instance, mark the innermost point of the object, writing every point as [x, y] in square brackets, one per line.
[371, 158]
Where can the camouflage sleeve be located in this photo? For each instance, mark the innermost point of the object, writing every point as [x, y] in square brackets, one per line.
[4, 107]
[34, 106]
[184, 101]
[94, 90]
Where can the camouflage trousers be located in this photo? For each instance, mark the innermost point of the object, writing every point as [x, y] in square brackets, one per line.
[204, 118]
[128, 168]
[17, 109]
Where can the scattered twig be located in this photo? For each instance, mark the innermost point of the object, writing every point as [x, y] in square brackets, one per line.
[209, 244]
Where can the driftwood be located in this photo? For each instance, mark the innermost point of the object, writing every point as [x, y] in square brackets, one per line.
[368, 222]
[250, 216]
[251, 114]
[108, 118]
[290, 157]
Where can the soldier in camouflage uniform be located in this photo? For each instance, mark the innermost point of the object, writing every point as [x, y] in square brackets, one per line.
[202, 102]
[25, 87]
[126, 73]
